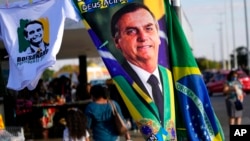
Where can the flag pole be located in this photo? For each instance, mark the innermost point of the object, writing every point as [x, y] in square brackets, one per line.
[233, 34]
[247, 36]
[177, 4]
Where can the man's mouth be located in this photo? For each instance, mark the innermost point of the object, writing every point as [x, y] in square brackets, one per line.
[144, 47]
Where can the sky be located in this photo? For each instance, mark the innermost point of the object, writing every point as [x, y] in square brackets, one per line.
[206, 18]
[211, 21]
[60, 63]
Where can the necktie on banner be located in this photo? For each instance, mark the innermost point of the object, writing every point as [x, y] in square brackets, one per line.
[157, 94]
[186, 101]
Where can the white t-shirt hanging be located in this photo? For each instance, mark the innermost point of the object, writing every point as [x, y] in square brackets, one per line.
[32, 34]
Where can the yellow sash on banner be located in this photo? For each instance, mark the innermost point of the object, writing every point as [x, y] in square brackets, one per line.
[2, 126]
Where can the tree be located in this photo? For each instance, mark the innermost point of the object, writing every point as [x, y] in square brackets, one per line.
[205, 64]
[242, 53]
[242, 56]
[47, 75]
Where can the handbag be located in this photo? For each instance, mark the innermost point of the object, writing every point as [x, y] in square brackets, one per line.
[119, 123]
[238, 105]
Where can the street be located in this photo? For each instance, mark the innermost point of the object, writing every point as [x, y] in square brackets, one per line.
[218, 102]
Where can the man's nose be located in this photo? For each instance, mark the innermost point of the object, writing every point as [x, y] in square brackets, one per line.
[142, 36]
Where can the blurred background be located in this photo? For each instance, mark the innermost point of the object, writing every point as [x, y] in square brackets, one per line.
[217, 31]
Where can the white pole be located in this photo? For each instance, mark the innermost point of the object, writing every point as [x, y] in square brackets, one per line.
[226, 36]
[214, 59]
[177, 4]
[247, 37]
[233, 34]
[221, 46]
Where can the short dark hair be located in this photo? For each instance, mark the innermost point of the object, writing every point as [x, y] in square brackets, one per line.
[99, 91]
[231, 73]
[130, 7]
[30, 23]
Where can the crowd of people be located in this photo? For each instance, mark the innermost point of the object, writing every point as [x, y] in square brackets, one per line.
[47, 120]
[41, 104]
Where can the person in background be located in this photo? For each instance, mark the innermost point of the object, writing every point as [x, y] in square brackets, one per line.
[115, 95]
[82, 91]
[100, 117]
[230, 90]
[76, 128]
[40, 93]
[44, 114]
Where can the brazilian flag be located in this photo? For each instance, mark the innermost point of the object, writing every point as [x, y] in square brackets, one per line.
[201, 122]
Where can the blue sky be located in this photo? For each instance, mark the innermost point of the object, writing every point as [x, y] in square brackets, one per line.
[205, 17]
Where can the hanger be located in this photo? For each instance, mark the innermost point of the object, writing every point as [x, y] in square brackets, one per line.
[7, 3]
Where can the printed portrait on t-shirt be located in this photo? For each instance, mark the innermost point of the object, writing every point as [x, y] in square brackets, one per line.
[33, 38]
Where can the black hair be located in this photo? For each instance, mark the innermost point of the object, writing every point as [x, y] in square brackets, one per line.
[99, 91]
[30, 23]
[231, 73]
[76, 123]
[130, 7]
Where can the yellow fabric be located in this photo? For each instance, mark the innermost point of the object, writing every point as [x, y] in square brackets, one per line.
[185, 71]
[2, 126]
[157, 7]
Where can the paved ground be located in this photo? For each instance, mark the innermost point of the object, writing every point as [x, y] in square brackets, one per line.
[135, 136]
[219, 107]
[218, 102]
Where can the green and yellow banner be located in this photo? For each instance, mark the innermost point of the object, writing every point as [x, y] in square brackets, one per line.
[188, 113]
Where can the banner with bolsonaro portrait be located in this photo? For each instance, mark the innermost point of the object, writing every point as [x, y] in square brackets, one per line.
[141, 39]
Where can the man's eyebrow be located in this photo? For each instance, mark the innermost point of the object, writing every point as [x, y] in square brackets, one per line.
[130, 27]
[149, 24]
[134, 27]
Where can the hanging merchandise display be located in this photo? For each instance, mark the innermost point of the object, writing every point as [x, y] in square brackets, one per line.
[32, 34]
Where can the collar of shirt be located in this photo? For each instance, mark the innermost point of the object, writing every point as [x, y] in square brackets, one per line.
[144, 75]
[36, 48]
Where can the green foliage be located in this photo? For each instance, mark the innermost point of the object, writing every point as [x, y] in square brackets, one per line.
[47, 75]
[205, 64]
[67, 69]
[242, 62]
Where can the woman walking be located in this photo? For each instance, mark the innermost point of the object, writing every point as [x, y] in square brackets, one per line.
[233, 92]
[100, 117]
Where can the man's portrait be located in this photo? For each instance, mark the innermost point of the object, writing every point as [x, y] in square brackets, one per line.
[135, 32]
[34, 34]
[151, 63]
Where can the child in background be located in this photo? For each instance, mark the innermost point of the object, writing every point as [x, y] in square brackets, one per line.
[75, 126]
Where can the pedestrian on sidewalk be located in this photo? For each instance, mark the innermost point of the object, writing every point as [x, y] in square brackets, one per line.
[233, 91]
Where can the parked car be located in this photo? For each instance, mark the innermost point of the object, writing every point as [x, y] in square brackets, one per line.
[216, 83]
[207, 75]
